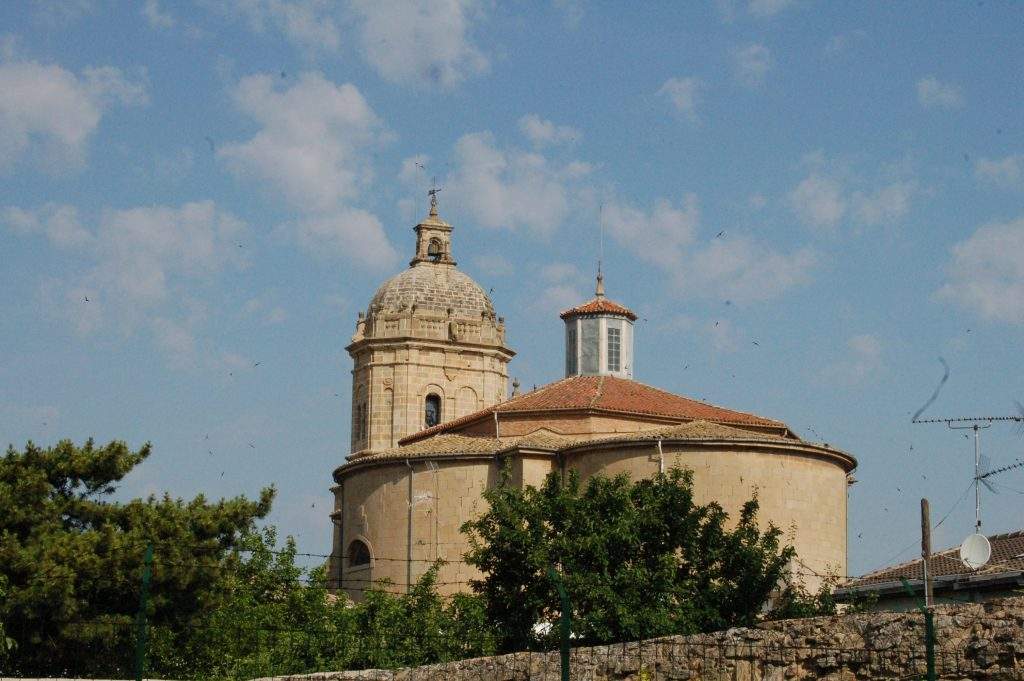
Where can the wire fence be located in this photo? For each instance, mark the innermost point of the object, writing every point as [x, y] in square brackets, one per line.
[738, 655]
[104, 647]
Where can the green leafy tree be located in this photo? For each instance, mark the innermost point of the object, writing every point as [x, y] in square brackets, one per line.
[280, 620]
[638, 559]
[72, 557]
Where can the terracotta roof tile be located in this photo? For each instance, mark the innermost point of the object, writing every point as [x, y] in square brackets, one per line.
[1007, 556]
[600, 305]
[694, 430]
[447, 443]
[539, 439]
[606, 394]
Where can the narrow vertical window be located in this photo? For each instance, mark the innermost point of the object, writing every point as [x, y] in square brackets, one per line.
[614, 344]
[432, 410]
[570, 349]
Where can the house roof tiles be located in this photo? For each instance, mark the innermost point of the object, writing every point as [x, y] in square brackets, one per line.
[606, 394]
[599, 305]
[1007, 556]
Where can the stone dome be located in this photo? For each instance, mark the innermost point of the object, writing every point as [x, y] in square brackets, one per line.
[433, 287]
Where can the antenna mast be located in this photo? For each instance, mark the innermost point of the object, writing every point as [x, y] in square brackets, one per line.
[977, 424]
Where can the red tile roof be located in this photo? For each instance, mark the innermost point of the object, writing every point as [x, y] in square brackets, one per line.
[606, 394]
[600, 305]
[1007, 556]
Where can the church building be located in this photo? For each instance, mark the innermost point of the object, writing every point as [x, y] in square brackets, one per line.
[433, 425]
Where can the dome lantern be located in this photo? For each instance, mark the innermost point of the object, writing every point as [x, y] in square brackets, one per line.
[599, 337]
[433, 238]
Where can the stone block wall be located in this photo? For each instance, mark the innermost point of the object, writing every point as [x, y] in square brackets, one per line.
[974, 642]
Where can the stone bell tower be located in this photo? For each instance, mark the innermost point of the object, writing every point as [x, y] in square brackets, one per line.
[428, 349]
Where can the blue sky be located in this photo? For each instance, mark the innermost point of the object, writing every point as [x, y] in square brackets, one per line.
[228, 182]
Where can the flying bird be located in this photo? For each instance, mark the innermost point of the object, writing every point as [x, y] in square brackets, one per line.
[720, 234]
[87, 299]
[255, 365]
[252, 445]
[756, 343]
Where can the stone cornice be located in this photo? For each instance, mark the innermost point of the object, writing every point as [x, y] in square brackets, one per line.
[405, 342]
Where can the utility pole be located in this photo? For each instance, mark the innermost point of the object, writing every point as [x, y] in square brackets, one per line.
[926, 553]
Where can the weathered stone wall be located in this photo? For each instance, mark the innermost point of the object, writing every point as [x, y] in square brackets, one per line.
[975, 641]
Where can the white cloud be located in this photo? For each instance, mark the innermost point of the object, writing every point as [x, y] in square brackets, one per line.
[735, 267]
[684, 93]
[721, 335]
[266, 313]
[144, 252]
[156, 17]
[309, 24]
[10, 46]
[818, 202]
[932, 92]
[49, 112]
[141, 264]
[542, 132]
[414, 170]
[662, 235]
[832, 192]
[841, 42]
[59, 223]
[986, 274]
[510, 188]
[175, 339]
[767, 8]
[742, 270]
[558, 272]
[559, 288]
[61, 13]
[572, 12]
[885, 206]
[409, 41]
[313, 146]
[311, 138]
[493, 265]
[420, 41]
[350, 233]
[862, 362]
[752, 64]
[1005, 172]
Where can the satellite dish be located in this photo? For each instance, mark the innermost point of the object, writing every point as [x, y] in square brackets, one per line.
[975, 551]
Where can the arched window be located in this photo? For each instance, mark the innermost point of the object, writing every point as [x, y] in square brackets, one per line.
[359, 424]
[432, 410]
[435, 249]
[358, 554]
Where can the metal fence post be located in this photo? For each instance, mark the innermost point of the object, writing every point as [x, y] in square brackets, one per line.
[140, 620]
[929, 632]
[566, 621]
